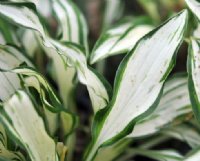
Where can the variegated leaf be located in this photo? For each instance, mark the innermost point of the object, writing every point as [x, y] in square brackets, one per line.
[53, 106]
[120, 39]
[25, 15]
[136, 92]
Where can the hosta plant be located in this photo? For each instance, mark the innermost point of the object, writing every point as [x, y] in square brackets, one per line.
[46, 53]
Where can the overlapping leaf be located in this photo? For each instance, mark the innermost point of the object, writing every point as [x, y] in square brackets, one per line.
[25, 15]
[136, 92]
[19, 116]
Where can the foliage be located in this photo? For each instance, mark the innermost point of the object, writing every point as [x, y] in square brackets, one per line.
[46, 53]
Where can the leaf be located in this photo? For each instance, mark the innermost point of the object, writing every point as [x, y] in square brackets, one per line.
[72, 23]
[25, 15]
[120, 39]
[194, 75]
[174, 102]
[51, 102]
[194, 6]
[139, 83]
[24, 124]
[10, 57]
[72, 28]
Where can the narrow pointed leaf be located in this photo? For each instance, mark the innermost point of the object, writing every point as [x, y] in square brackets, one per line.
[119, 39]
[139, 83]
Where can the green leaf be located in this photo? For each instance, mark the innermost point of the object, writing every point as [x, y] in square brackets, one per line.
[194, 6]
[25, 125]
[174, 103]
[139, 83]
[120, 39]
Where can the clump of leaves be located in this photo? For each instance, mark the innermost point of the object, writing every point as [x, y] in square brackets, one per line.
[40, 72]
